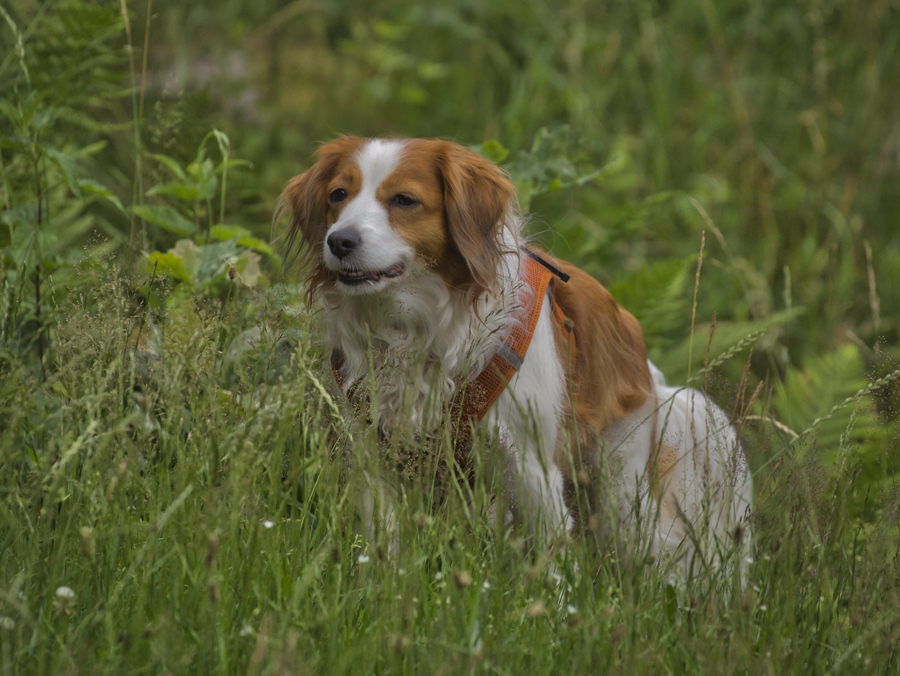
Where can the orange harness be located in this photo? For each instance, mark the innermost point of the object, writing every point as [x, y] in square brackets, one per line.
[474, 398]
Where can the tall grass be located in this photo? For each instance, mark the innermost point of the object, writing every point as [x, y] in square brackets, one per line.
[199, 512]
[174, 495]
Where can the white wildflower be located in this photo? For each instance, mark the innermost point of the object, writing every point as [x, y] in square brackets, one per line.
[245, 630]
[65, 593]
[268, 524]
[363, 558]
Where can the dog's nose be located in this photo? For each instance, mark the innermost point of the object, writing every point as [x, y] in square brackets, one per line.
[343, 242]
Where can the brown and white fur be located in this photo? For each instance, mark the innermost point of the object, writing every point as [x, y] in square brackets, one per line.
[412, 247]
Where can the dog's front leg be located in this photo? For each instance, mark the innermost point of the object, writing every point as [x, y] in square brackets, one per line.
[378, 513]
[527, 416]
[533, 486]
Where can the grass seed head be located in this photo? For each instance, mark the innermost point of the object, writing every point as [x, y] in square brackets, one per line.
[462, 579]
[400, 642]
[87, 541]
[212, 546]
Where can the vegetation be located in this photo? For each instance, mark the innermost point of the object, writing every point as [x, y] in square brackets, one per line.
[174, 498]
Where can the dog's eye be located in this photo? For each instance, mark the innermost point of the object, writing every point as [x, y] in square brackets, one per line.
[338, 195]
[405, 200]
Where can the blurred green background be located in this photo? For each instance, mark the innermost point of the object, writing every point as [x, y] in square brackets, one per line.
[637, 132]
[772, 127]
[633, 130]
[157, 365]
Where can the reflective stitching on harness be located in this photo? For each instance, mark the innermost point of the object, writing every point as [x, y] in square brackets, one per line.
[508, 354]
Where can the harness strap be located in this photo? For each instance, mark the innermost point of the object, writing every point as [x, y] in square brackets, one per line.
[474, 398]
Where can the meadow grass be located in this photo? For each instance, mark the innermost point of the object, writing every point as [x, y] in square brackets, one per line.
[195, 500]
[175, 491]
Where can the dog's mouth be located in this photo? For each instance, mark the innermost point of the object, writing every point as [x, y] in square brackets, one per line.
[352, 277]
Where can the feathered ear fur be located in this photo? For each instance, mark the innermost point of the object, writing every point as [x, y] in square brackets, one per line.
[306, 196]
[477, 198]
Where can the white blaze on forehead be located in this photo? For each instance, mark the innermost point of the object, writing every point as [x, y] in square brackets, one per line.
[377, 160]
[379, 247]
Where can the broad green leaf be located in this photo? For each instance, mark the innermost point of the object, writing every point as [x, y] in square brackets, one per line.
[91, 149]
[172, 165]
[242, 236]
[212, 260]
[221, 233]
[187, 250]
[93, 187]
[66, 165]
[256, 244]
[167, 218]
[494, 150]
[25, 214]
[169, 265]
[233, 163]
[202, 177]
[185, 191]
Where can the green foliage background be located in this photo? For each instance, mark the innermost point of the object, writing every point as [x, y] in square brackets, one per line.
[169, 449]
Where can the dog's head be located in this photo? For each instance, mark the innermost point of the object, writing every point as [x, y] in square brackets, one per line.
[372, 211]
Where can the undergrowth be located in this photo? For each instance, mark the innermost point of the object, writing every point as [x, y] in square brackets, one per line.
[174, 491]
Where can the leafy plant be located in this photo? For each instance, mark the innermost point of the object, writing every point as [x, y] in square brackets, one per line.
[229, 254]
[173, 496]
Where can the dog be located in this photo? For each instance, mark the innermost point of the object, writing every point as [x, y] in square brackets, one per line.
[414, 248]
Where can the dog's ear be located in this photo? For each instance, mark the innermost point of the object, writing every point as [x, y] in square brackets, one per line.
[303, 197]
[307, 199]
[477, 199]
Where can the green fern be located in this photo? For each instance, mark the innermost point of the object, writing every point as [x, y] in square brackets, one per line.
[810, 393]
[655, 296]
